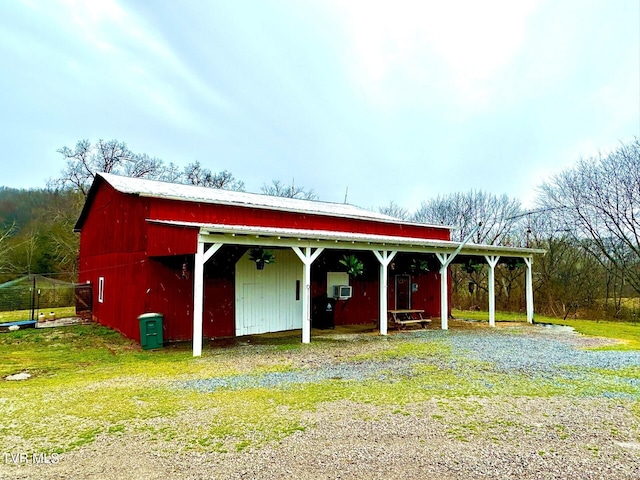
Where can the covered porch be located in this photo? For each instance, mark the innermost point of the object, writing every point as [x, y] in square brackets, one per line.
[308, 245]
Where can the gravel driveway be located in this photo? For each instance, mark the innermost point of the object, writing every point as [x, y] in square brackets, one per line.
[569, 437]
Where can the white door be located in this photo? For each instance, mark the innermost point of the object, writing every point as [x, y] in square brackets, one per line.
[268, 300]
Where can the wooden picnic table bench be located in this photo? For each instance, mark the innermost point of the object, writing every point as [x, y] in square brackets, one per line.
[408, 316]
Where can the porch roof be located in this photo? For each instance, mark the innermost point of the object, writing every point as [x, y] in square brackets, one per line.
[287, 237]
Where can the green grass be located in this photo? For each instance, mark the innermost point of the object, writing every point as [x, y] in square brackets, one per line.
[500, 316]
[90, 381]
[627, 333]
[18, 315]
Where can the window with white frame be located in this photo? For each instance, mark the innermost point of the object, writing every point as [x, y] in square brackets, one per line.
[101, 289]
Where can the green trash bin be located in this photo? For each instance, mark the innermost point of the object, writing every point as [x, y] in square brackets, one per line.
[150, 330]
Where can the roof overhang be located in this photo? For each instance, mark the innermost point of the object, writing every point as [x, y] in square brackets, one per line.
[292, 237]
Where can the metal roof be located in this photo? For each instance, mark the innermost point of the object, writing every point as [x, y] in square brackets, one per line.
[255, 235]
[191, 193]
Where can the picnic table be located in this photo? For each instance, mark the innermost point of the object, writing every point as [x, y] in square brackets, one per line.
[408, 316]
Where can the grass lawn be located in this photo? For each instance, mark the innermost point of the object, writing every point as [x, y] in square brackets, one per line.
[628, 333]
[88, 381]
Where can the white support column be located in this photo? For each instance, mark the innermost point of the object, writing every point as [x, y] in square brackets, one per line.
[198, 299]
[307, 258]
[529, 288]
[198, 292]
[384, 257]
[445, 260]
[492, 260]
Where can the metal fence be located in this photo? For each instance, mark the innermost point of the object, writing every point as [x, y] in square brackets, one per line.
[28, 297]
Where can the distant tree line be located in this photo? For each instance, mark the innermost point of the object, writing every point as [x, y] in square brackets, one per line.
[587, 218]
[36, 232]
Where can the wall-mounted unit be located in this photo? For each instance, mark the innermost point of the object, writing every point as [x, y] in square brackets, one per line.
[342, 292]
[336, 279]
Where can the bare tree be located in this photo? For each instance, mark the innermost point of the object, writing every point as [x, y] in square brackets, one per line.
[4, 236]
[85, 160]
[113, 156]
[499, 216]
[143, 166]
[196, 174]
[395, 210]
[172, 173]
[279, 189]
[598, 203]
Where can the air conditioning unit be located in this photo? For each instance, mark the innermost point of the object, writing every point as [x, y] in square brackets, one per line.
[342, 292]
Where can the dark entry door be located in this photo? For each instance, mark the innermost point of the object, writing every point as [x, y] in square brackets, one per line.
[84, 300]
[403, 292]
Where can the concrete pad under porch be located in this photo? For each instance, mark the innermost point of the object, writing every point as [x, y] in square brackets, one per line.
[341, 331]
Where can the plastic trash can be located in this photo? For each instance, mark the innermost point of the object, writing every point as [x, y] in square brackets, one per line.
[150, 330]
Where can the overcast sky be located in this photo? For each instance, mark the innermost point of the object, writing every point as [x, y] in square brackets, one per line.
[398, 101]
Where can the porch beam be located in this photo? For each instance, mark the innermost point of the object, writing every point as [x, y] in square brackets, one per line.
[201, 258]
[492, 260]
[211, 250]
[366, 244]
[384, 257]
[307, 257]
[529, 288]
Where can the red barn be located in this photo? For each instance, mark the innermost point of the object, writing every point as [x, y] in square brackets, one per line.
[185, 251]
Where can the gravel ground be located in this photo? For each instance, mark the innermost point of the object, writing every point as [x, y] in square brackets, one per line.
[573, 437]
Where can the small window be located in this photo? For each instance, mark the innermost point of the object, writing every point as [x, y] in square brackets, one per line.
[101, 289]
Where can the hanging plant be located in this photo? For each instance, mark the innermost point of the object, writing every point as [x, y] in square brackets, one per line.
[472, 266]
[513, 264]
[261, 257]
[354, 266]
[419, 266]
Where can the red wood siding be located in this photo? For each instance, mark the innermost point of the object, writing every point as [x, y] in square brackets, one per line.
[125, 277]
[115, 223]
[172, 295]
[427, 297]
[112, 246]
[219, 308]
[163, 209]
[165, 240]
[219, 292]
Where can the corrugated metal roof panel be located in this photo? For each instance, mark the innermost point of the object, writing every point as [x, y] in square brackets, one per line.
[190, 193]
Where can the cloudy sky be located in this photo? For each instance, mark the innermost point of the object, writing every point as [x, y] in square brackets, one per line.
[396, 101]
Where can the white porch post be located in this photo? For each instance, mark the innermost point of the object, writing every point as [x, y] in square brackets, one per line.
[198, 292]
[445, 259]
[307, 259]
[529, 289]
[198, 299]
[384, 257]
[492, 260]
